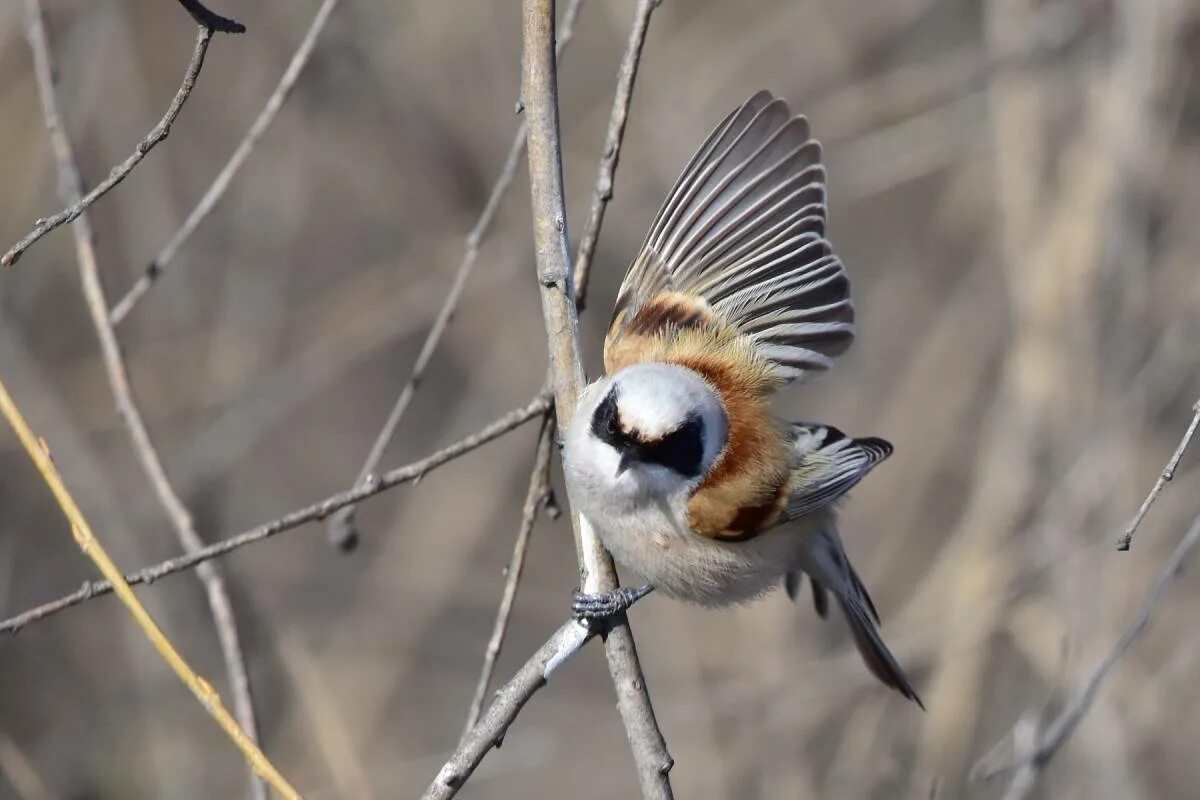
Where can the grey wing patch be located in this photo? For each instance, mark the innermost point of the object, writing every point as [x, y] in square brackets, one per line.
[826, 464]
[744, 228]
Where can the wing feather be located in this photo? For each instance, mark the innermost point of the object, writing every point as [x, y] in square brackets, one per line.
[742, 233]
[826, 464]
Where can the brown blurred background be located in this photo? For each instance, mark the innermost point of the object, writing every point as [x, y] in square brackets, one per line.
[1015, 189]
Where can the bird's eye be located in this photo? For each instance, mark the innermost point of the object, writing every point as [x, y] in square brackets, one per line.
[604, 421]
[682, 450]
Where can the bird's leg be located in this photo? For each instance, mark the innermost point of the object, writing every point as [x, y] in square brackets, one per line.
[602, 606]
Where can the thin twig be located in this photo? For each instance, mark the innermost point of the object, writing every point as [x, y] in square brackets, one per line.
[91, 547]
[540, 96]
[316, 511]
[70, 186]
[118, 173]
[211, 19]
[535, 499]
[489, 733]
[1163, 479]
[1060, 729]
[603, 192]
[342, 530]
[221, 183]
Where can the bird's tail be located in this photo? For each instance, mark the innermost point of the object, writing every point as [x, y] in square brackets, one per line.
[825, 561]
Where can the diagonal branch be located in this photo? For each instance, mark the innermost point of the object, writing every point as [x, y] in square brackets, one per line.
[1034, 759]
[118, 377]
[540, 96]
[342, 530]
[538, 496]
[159, 132]
[220, 184]
[409, 473]
[489, 733]
[1163, 479]
[603, 192]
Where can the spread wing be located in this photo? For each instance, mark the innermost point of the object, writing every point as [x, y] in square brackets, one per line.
[826, 464]
[740, 242]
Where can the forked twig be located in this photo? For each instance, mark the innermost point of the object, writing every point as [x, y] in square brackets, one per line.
[343, 533]
[92, 548]
[294, 519]
[220, 184]
[118, 173]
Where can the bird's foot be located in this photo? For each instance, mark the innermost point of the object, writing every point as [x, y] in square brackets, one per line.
[603, 606]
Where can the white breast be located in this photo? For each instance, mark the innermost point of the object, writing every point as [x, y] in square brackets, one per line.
[644, 525]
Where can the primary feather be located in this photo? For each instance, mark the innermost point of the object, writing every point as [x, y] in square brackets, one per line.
[740, 242]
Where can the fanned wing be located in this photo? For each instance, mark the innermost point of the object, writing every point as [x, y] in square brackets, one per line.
[826, 464]
[740, 240]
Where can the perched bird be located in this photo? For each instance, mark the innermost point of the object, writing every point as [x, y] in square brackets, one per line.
[674, 456]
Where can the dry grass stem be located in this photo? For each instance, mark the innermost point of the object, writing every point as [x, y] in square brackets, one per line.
[91, 547]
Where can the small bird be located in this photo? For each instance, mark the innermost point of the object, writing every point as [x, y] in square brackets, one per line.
[674, 455]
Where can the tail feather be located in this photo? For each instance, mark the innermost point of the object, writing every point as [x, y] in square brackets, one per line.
[875, 653]
[824, 559]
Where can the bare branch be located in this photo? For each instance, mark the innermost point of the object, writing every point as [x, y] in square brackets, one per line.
[1034, 759]
[121, 171]
[603, 193]
[1163, 479]
[70, 186]
[221, 183]
[294, 519]
[489, 733]
[540, 96]
[210, 19]
[535, 498]
[342, 530]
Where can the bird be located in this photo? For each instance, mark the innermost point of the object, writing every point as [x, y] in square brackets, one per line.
[674, 455]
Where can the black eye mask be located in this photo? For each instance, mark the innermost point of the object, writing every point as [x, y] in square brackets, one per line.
[681, 450]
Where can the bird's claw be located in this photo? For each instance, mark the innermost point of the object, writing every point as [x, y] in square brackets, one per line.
[602, 606]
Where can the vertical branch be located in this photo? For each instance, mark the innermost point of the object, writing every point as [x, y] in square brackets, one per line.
[70, 186]
[540, 96]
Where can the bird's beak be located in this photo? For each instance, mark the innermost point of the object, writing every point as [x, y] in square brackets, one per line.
[627, 459]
